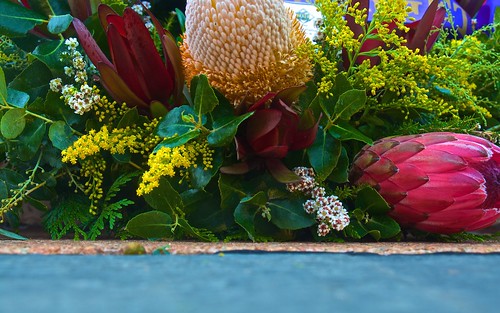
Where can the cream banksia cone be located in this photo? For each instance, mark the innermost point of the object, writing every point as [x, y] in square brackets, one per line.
[436, 182]
[246, 48]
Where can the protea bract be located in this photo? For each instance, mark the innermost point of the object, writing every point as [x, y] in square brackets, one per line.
[137, 74]
[436, 182]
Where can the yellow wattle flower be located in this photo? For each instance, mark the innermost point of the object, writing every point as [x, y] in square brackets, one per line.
[246, 49]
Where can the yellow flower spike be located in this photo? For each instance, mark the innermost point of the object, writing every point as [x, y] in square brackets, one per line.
[246, 49]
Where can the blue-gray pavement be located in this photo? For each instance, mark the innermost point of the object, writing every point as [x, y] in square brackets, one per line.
[240, 282]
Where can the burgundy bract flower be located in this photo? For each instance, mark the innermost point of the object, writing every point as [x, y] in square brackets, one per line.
[271, 132]
[435, 182]
[137, 74]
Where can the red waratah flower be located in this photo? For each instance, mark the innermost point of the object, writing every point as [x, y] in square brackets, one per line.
[436, 182]
[137, 74]
[271, 132]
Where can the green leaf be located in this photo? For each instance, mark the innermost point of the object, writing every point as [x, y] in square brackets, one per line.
[244, 215]
[3, 87]
[231, 190]
[349, 103]
[157, 109]
[17, 98]
[16, 20]
[182, 20]
[30, 140]
[258, 199]
[130, 118]
[4, 192]
[385, 225]
[355, 229]
[34, 80]
[59, 23]
[289, 214]
[203, 210]
[61, 135]
[151, 225]
[194, 232]
[174, 125]
[225, 129]
[205, 99]
[13, 123]
[165, 198]
[341, 172]
[201, 177]
[11, 235]
[11, 178]
[342, 130]
[324, 154]
[369, 200]
[176, 141]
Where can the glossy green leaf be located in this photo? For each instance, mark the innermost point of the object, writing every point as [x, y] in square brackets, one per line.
[194, 232]
[205, 99]
[385, 225]
[225, 129]
[151, 225]
[231, 190]
[341, 172]
[130, 118]
[59, 23]
[11, 235]
[349, 103]
[61, 135]
[244, 215]
[290, 214]
[13, 123]
[324, 154]
[17, 98]
[165, 198]
[173, 123]
[343, 130]
[16, 20]
[355, 229]
[178, 140]
[203, 210]
[201, 177]
[11, 178]
[3, 88]
[258, 199]
[369, 200]
[182, 20]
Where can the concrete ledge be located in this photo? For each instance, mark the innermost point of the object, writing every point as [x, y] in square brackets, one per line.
[187, 247]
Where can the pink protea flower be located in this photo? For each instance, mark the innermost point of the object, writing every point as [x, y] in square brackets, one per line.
[436, 182]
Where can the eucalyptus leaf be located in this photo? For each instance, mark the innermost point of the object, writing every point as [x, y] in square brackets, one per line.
[201, 177]
[290, 214]
[324, 154]
[34, 80]
[151, 225]
[205, 99]
[231, 190]
[165, 198]
[17, 98]
[16, 20]
[61, 135]
[349, 103]
[30, 140]
[59, 23]
[244, 215]
[203, 210]
[340, 173]
[258, 199]
[13, 123]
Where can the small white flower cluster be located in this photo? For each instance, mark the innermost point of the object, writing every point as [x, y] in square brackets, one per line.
[330, 213]
[139, 8]
[81, 98]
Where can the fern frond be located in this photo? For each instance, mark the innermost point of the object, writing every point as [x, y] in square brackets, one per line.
[118, 184]
[111, 213]
[69, 215]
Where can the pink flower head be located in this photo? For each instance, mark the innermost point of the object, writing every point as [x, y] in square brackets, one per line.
[435, 182]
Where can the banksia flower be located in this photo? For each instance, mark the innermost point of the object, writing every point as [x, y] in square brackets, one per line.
[246, 48]
[436, 182]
